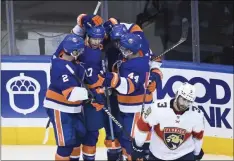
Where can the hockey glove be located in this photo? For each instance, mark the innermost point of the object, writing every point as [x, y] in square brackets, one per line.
[155, 77]
[109, 24]
[98, 100]
[111, 79]
[137, 152]
[89, 21]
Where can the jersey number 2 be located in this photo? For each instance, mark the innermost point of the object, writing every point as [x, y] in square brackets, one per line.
[65, 78]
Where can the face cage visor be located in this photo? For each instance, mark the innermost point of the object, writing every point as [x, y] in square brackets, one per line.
[95, 42]
[76, 53]
[125, 52]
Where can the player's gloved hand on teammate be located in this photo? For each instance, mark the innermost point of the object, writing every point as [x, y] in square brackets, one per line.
[98, 100]
[111, 79]
[109, 24]
[88, 21]
[137, 152]
[155, 77]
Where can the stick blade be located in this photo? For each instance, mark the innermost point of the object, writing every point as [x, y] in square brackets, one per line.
[185, 27]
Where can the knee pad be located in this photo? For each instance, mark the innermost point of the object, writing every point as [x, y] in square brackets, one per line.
[64, 151]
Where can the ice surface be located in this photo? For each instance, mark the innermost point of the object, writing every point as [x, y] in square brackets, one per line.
[47, 153]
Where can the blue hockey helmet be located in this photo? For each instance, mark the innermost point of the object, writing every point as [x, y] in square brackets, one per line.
[96, 32]
[130, 44]
[73, 45]
[117, 31]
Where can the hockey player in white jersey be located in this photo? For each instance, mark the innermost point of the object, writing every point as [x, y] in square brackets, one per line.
[176, 126]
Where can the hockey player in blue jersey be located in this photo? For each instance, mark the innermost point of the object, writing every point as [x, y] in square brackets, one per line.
[91, 60]
[129, 82]
[114, 31]
[64, 97]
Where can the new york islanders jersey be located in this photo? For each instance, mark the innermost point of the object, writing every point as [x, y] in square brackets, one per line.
[92, 62]
[173, 135]
[133, 74]
[64, 92]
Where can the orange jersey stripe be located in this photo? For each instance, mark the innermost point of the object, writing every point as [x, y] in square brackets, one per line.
[60, 98]
[67, 91]
[131, 88]
[114, 80]
[134, 99]
[135, 28]
[98, 83]
[59, 128]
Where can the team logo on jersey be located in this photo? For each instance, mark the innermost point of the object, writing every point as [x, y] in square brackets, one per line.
[174, 137]
[74, 39]
[130, 41]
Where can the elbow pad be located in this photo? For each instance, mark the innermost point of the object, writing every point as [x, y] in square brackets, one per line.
[78, 94]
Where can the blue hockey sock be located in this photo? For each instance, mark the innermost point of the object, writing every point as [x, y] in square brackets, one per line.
[114, 154]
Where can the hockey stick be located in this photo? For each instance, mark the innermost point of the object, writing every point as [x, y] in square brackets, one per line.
[145, 88]
[108, 103]
[97, 8]
[91, 94]
[183, 38]
[46, 132]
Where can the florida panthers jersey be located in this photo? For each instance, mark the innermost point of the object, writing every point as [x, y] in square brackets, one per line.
[173, 135]
[65, 93]
[133, 74]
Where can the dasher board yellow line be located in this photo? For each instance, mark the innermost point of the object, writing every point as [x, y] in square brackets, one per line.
[35, 136]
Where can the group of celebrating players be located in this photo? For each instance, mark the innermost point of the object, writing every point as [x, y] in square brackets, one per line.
[168, 129]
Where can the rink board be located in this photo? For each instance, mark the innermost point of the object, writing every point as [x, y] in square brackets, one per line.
[23, 118]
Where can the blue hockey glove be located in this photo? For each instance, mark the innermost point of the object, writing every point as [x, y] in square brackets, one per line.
[111, 79]
[109, 24]
[89, 21]
[137, 152]
[98, 100]
[155, 77]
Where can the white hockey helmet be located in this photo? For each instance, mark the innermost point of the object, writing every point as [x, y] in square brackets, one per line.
[187, 92]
